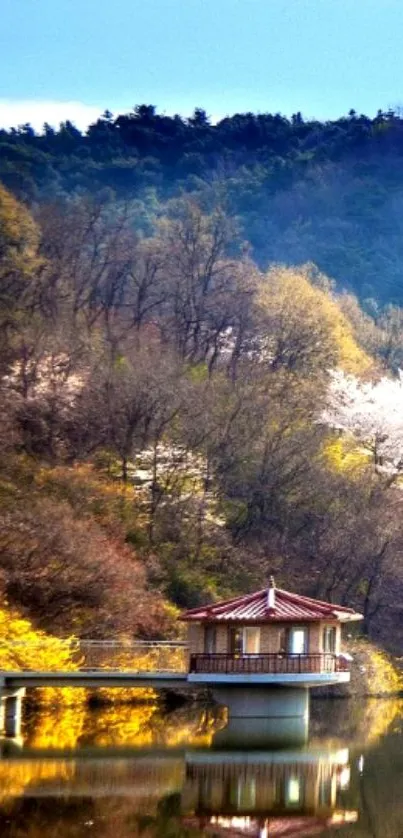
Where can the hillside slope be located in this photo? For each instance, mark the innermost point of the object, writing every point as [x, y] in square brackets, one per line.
[163, 436]
[303, 190]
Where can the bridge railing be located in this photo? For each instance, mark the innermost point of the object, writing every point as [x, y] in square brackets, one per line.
[112, 655]
[134, 656]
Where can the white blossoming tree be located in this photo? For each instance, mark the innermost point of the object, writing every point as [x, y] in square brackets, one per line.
[372, 413]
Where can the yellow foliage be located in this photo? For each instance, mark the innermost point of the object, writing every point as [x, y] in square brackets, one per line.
[23, 647]
[352, 359]
[343, 455]
[374, 673]
[385, 679]
[309, 320]
[19, 237]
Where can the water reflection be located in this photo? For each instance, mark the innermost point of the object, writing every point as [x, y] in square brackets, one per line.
[190, 776]
[262, 733]
[262, 793]
[215, 792]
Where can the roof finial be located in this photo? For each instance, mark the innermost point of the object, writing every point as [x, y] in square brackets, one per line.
[271, 594]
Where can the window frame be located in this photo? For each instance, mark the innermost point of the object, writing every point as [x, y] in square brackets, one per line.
[285, 639]
[210, 639]
[326, 646]
[258, 636]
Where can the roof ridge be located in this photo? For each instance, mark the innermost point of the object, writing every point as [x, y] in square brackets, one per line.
[328, 605]
[256, 603]
[224, 603]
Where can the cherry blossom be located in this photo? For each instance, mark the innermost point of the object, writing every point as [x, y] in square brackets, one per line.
[371, 412]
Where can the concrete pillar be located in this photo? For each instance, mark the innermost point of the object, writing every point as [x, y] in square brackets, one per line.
[11, 711]
[262, 701]
[263, 716]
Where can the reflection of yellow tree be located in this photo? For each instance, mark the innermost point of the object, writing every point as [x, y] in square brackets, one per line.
[15, 777]
[49, 727]
[143, 725]
[196, 729]
[358, 723]
[122, 695]
[124, 724]
[376, 718]
[59, 727]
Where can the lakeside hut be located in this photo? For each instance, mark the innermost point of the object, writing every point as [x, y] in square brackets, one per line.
[269, 632]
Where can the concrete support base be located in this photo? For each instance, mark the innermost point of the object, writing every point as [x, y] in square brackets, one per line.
[11, 711]
[261, 717]
[264, 702]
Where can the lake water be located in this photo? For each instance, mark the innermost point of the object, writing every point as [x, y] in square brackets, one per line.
[128, 771]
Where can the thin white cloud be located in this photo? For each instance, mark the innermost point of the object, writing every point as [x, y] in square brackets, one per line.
[36, 112]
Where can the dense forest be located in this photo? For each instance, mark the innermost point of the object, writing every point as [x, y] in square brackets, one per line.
[303, 191]
[201, 341]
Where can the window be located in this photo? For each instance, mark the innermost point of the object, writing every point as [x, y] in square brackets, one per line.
[329, 639]
[246, 793]
[244, 641]
[210, 640]
[298, 641]
[251, 640]
[293, 792]
[293, 640]
[235, 640]
[283, 641]
[326, 792]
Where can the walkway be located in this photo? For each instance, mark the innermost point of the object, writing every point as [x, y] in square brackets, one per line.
[110, 678]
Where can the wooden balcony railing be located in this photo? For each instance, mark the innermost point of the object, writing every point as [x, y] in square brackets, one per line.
[267, 664]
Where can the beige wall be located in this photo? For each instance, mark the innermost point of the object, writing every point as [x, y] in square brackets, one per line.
[269, 637]
[196, 638]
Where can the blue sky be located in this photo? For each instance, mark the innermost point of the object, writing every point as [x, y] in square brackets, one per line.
[73, 58]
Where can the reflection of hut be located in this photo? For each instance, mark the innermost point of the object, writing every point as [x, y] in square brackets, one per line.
[268, 635]
[228, 796]
[246, 827]
[259, 787]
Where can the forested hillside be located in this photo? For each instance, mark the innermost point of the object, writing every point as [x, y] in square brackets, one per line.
[178, 423]
[302, 191]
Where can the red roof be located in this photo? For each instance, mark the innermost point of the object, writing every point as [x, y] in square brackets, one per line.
[255, 608]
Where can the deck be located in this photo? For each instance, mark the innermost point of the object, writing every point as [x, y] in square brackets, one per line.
[287, 670]
[267, 664]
